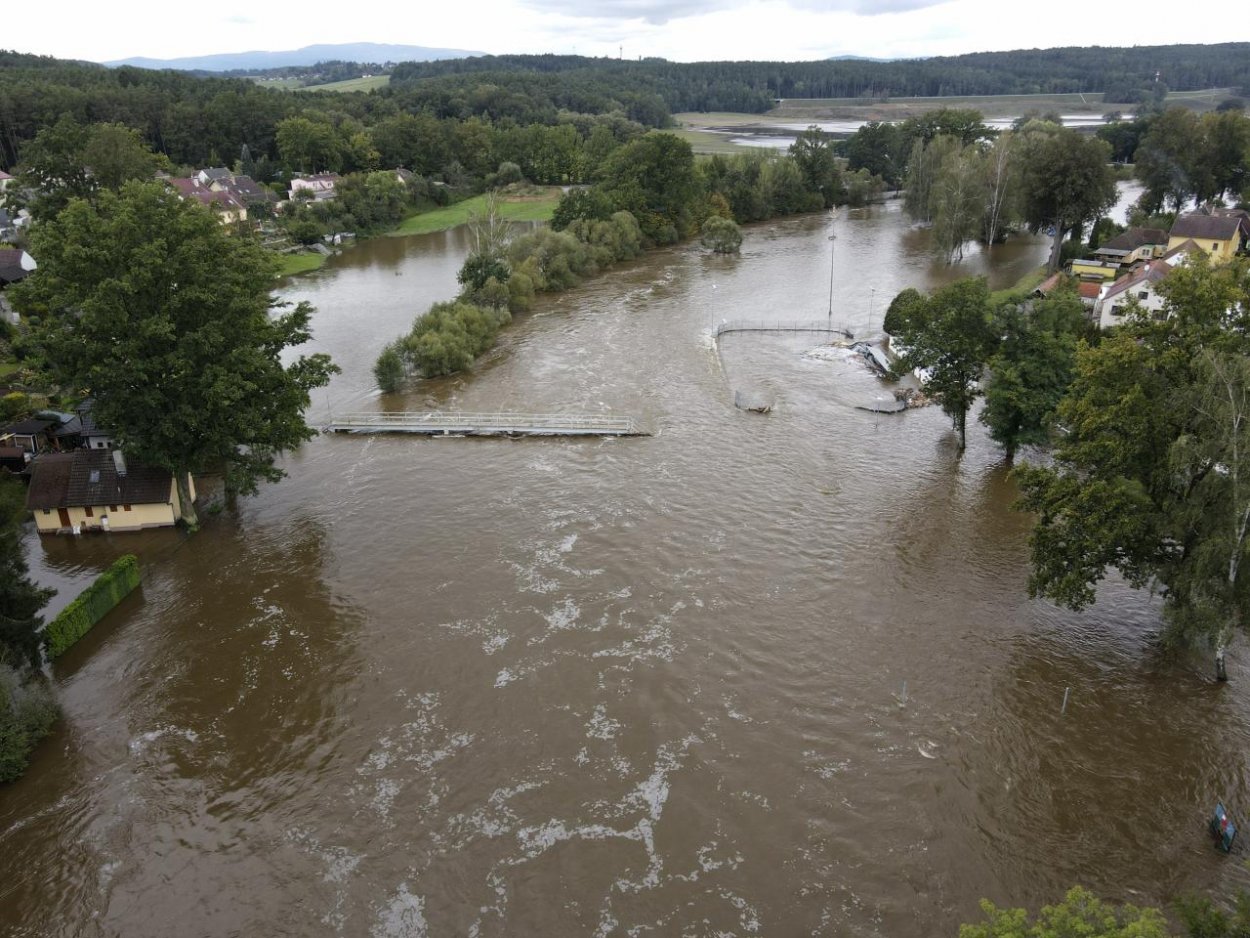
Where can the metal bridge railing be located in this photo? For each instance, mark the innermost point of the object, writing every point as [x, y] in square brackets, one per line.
[499, 422]
[771, 325]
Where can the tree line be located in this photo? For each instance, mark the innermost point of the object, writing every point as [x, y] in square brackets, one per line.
[971, 183]
[1123, 74]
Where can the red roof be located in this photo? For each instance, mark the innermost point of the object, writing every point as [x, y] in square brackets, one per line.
[193, 189]
[1089, 289]
[1151, 273]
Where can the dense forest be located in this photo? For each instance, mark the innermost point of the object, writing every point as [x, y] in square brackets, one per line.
[1124, 74]
[195, 120]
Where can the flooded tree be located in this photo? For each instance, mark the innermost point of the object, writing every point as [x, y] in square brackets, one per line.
[1032, 369]
[1152, 477]
[1066, 181]
[148, 303]
[1079, 913]
[949, 337]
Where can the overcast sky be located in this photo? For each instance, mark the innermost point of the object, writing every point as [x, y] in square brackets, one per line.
[683, 30]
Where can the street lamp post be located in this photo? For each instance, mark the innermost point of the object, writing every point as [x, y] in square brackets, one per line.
[833, 244]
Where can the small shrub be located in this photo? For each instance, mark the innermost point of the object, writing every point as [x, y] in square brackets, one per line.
[721, 235]
[389, 369]
[27, 713]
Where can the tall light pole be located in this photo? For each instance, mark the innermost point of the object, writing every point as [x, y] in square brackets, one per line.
[872, 302]
[833, 239]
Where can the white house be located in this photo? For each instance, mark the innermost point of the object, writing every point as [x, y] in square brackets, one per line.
[1115, 299]
[320, 186]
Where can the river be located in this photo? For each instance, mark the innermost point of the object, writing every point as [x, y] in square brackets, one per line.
[771, 675]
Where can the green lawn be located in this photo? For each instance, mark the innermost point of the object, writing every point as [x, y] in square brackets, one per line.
[8, 368]
[353, 84]
[703, 141]
[1024, 285]
[539, 208]
[291, 264]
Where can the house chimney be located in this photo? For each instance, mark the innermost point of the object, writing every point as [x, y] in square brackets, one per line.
[119, 463]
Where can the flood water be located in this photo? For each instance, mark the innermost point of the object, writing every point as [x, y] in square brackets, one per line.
[750, 675]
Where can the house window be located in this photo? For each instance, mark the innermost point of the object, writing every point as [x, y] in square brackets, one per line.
[125, 508]
[1143, 295]
[1158, 315]
[89, 512]
[1215, 246]
[47, 511]
[113, 509]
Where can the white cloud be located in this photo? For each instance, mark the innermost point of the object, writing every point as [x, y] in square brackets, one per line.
[684, 30]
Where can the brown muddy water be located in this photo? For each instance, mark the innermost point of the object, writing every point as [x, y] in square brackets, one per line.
[751, 675]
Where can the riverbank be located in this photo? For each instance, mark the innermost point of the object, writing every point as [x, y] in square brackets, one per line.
[534, 203]
[528, 204]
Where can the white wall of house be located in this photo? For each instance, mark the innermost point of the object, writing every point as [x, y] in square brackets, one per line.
[1112, 311]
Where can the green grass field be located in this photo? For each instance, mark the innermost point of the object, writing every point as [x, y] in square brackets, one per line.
[702, 141]
[539, 208]
[282, 84]
[353, 84]
[291, 264]
[8, 368]
[1024, 285]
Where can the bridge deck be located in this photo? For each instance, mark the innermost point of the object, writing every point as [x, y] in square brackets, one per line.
[771, 325]
[456, 424]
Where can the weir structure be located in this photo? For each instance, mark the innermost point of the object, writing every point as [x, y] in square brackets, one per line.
[433, 423]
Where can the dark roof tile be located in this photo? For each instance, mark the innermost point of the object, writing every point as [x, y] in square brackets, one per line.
[89, 477]
[1206, 227]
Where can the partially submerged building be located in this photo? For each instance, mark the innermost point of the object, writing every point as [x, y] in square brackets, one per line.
[100, 490]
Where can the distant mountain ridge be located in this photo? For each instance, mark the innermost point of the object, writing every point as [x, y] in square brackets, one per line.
[309, 55]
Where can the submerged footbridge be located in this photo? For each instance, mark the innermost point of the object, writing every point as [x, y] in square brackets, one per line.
[434, 423]
[770, 325]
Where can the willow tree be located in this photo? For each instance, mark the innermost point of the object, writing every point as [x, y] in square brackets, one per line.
[1152, 477]
[168, 322]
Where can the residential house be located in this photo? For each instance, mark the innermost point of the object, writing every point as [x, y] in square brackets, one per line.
[228, 209]
[100, 490]
[213, 174]
[5, 181]
[1088, 269]
[1136, 245]
[1220, 235]
[247, 191]
[80, 429]
[320, 187]
[15, 265]
[1115, 299]
[1088, 291]
[32, 435]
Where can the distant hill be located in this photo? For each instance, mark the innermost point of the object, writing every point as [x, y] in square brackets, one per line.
[309, 55]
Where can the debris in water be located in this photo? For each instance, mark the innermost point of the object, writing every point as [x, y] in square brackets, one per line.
[752, 401]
